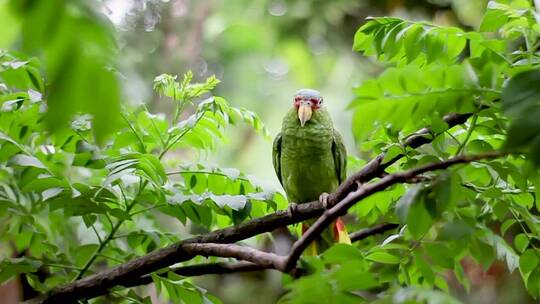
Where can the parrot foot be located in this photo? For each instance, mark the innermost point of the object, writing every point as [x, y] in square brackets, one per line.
[293, 208]
[323, 198]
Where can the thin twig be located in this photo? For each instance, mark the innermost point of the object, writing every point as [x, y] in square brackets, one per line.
[468, 136]
[364, 233]
[96, 232]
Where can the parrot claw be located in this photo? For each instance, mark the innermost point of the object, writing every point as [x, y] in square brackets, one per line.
[293, 207]
[323, 198]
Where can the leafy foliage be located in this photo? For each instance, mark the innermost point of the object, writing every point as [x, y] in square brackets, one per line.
[75, 201]
[79, 50]
[70, 203]
[433, 71]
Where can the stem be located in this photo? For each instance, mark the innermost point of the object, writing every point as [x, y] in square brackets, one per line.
[141, 142]
[115, 228]
[111, 258]
[97, 234]
[169, 146]
[61, 266]
[529, 47]
[469, 133]
[178, 109]
[98, 250]
[149, 208]
[129, 234]
[453, 137]
[525, 232]
[109, 237]
[155, 127]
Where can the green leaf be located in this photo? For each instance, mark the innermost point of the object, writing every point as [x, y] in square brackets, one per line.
[404, 204]
[533, 283]
[441, 255]
[340, 253]
[391, 153]
[461, 277]
[521, 241]
[493, 20]
[503, 250]
[412, 209]
[27, 161]
[13, 266]
[235, 202]
[50, 193]
[352, 277]
[396, 40]
[425, 269]
[506, 225]
[83, 253]
[482, 253]
[521, 92]
[383, 257]
[528, 261]
[521, 101]
[400, 98]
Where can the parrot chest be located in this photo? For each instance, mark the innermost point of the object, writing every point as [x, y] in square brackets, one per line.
[308, 167]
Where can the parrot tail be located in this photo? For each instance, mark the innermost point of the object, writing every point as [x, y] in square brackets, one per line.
[336, 233]
[340, 232]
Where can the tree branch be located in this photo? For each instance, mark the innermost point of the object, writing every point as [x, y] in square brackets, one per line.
[367, 232]
[99, 283]
[366, 190]
[261, 258]
[227, 268]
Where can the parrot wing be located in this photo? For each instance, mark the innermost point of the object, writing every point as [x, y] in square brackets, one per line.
[340, 157]
[276, 157]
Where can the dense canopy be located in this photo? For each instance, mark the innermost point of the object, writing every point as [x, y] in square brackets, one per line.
[136, 158]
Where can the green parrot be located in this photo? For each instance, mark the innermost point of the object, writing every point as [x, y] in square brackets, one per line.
[310, 161]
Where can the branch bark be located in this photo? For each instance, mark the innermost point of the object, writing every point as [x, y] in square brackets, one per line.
[99, 283]
[226, 268]
[261, 258]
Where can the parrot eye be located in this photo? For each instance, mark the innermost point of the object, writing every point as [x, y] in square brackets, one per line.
[317, 102]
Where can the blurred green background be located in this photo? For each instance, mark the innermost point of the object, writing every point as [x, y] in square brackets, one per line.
[263, 51]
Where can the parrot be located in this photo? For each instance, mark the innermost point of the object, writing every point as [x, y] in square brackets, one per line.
[310, 161]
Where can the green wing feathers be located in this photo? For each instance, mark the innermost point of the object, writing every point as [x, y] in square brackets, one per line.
[340, 157]
[276, 157]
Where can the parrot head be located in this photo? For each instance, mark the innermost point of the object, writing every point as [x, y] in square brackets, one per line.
[306, 101]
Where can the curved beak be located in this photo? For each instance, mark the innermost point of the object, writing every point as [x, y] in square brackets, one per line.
[304, 113]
